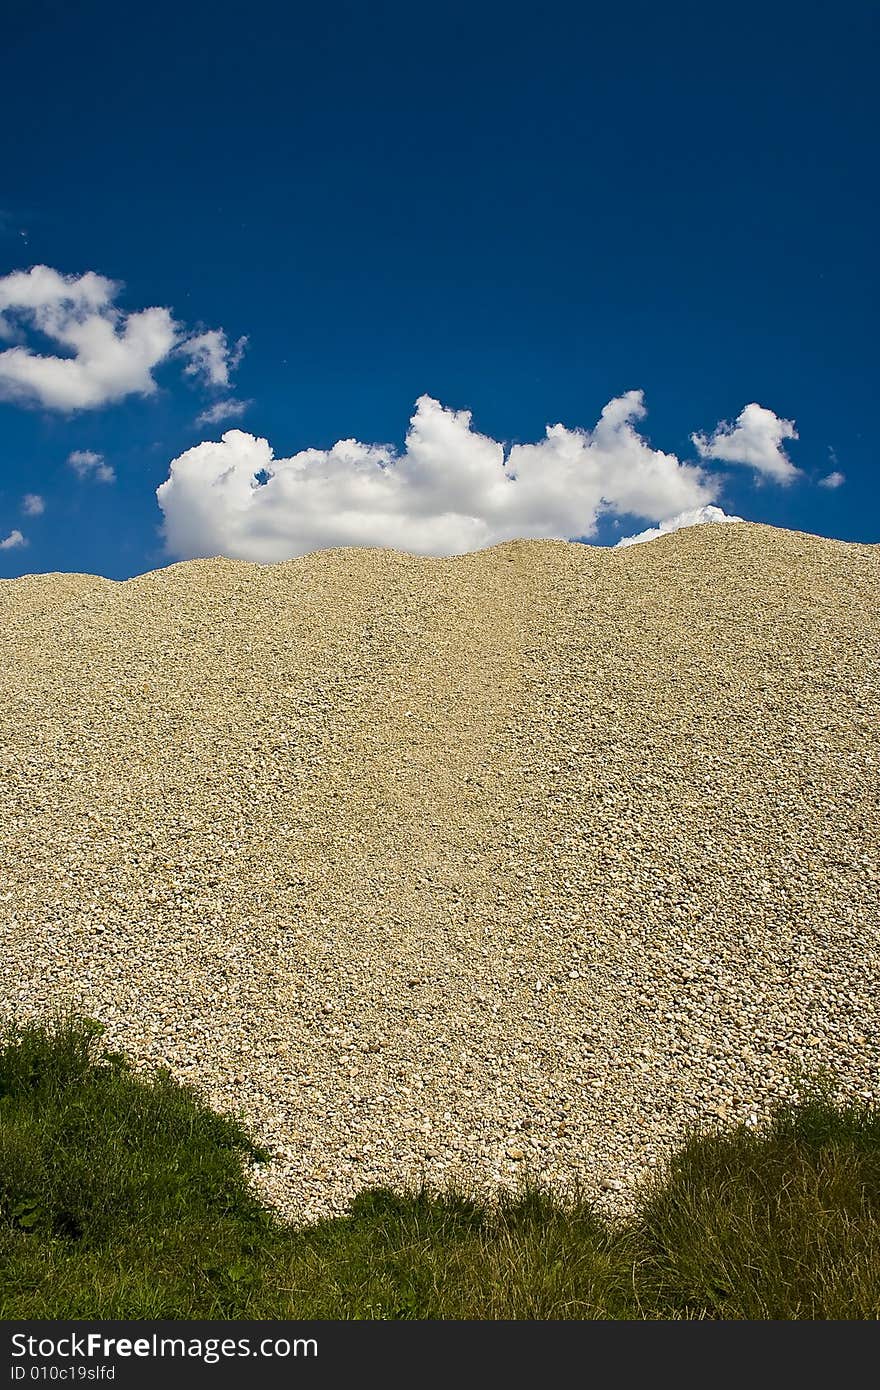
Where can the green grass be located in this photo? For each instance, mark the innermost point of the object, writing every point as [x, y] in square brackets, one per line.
[123, 1196]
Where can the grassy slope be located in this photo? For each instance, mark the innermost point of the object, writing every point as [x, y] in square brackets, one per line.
[126, 1197]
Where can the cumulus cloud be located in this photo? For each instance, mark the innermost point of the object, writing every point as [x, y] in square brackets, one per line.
[87, 464]
[106, 354]
[32, 504]
[12, 541]
[698, 516]
[451, 490]
[211, 357]
[222, 410]
[833, 480]
[755, 439]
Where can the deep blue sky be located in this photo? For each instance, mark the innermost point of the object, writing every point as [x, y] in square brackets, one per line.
[520, 211]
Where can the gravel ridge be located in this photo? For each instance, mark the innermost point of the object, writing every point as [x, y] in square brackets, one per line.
[518, 861]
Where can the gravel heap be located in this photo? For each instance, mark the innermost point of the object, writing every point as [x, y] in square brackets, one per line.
[519, 861]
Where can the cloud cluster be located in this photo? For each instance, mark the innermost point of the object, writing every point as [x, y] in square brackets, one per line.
[32, 504]
[755, 439]
[832, 480]
[87, 464]
[105, 355]
[13, 541]
[451, 490]
[699, 516]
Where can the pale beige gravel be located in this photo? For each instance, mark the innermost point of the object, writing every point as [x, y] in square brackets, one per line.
[523, 860]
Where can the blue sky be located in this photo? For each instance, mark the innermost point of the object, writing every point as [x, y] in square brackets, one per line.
[526, 214]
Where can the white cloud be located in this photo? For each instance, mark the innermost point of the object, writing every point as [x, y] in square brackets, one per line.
[14, 539]
[44, 292]
[107, 354]
[87, 464]
[32, 504]
[755, 439]
[833, 480]
[451, 490]
[211, 356]
[699, 516]
[222, 410]
[113, 354]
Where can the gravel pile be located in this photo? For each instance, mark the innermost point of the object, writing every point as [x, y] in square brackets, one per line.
[523, 860]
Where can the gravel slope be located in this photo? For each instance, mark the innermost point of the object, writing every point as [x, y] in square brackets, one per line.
[524, 859]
